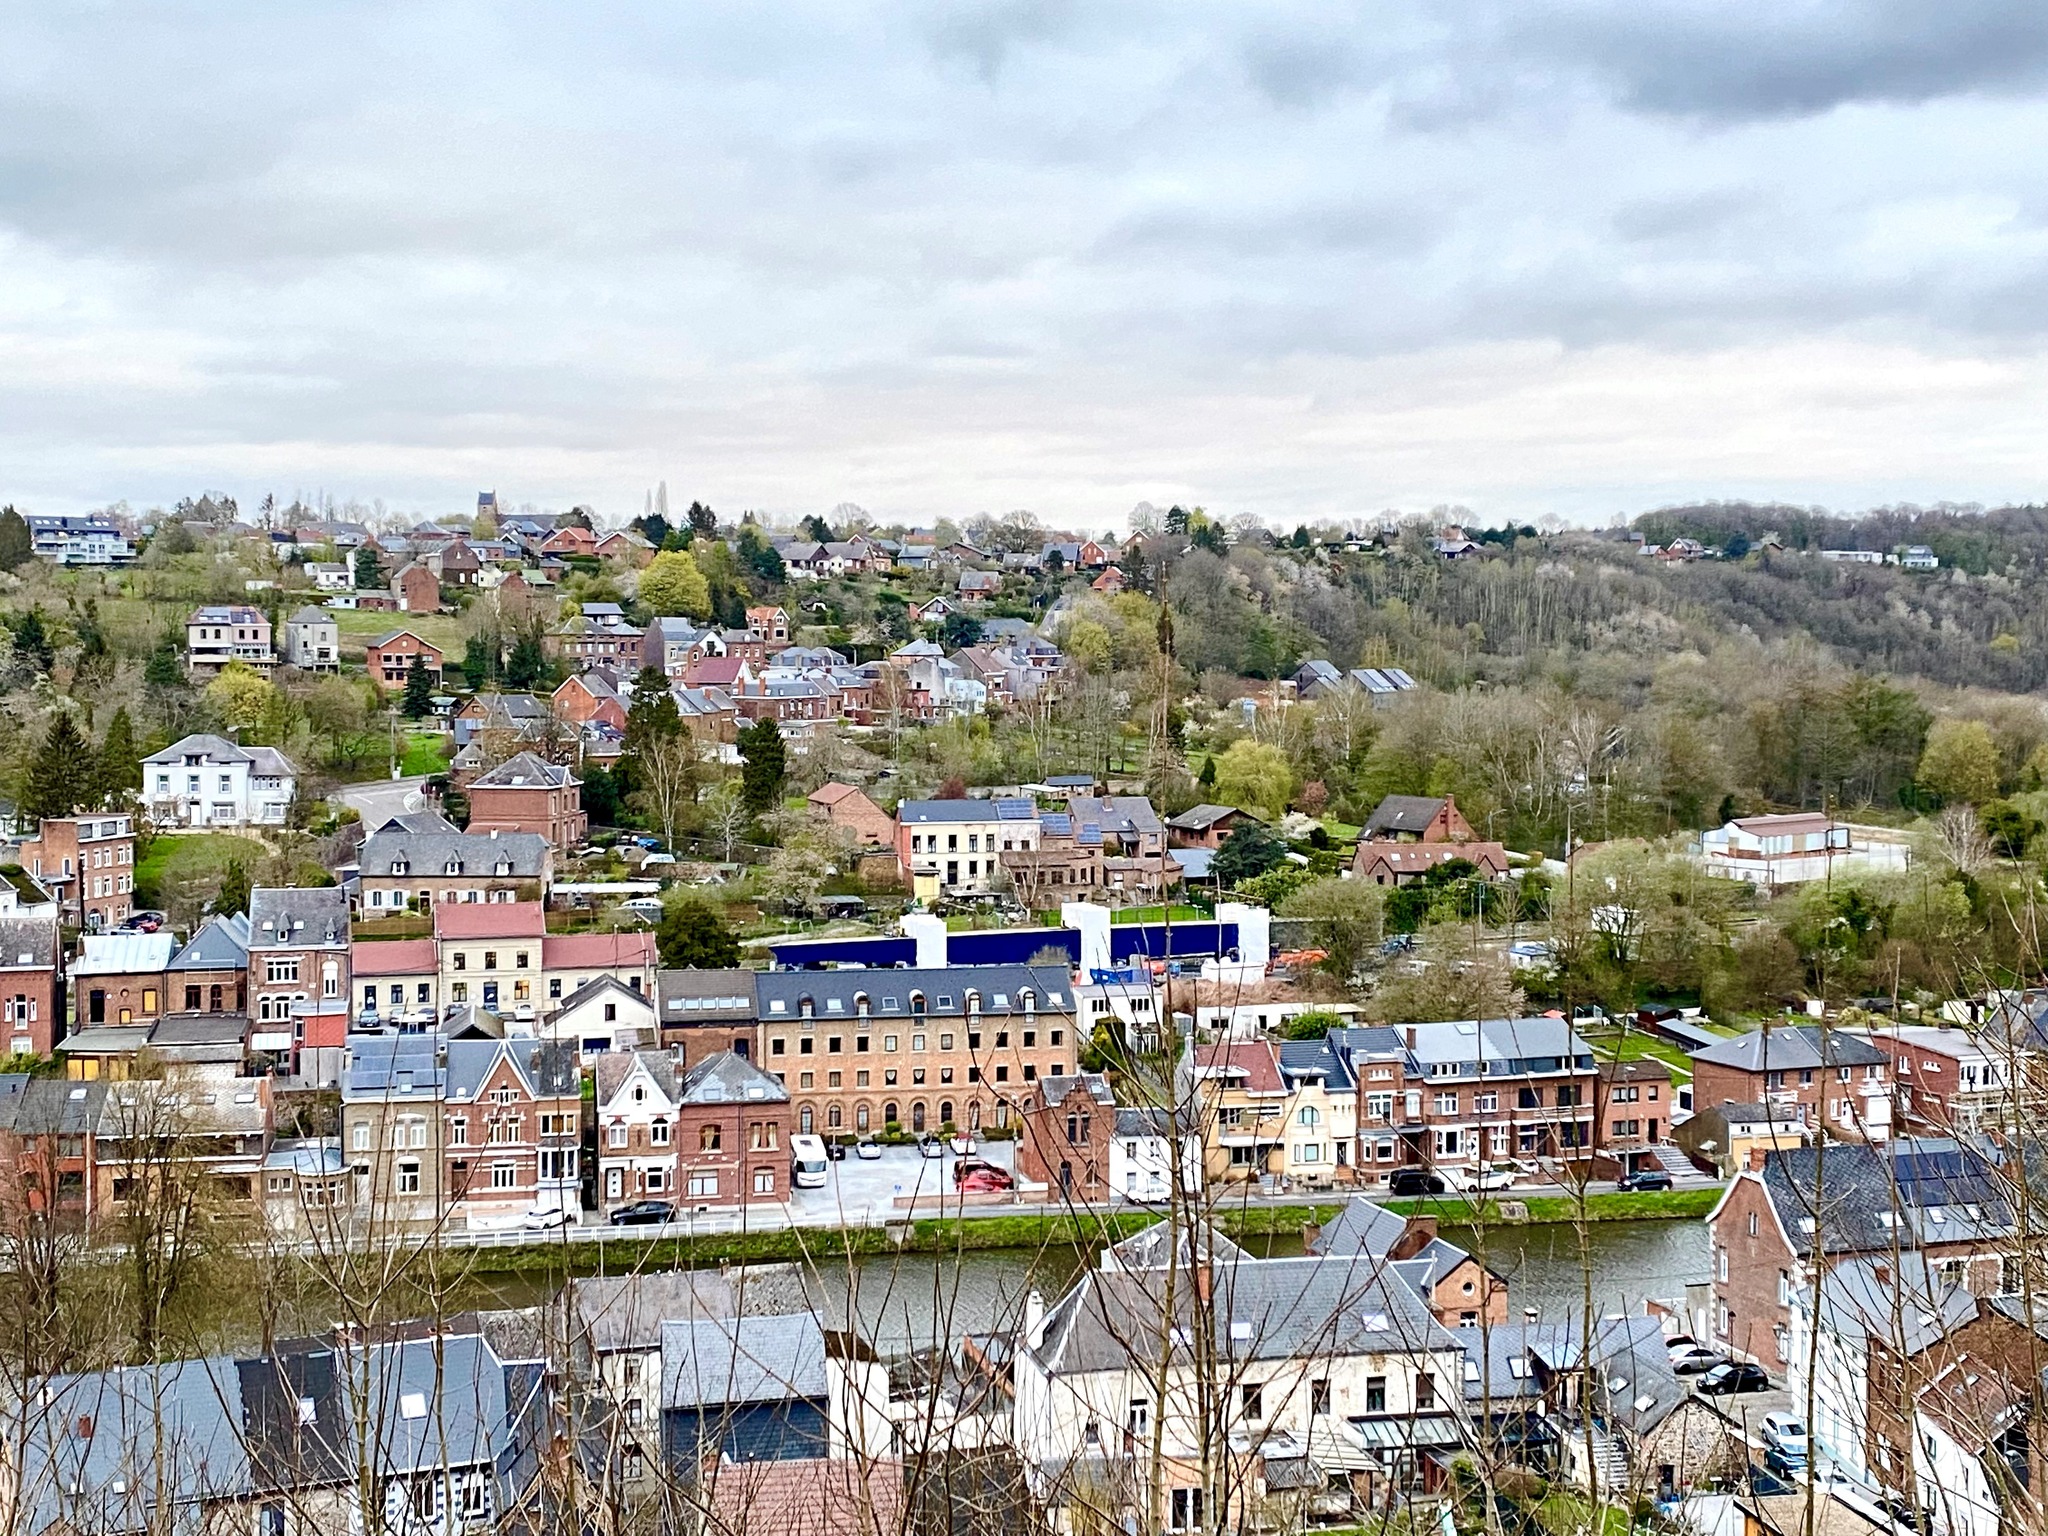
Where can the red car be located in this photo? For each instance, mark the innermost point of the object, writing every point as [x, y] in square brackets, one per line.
[978, 1176]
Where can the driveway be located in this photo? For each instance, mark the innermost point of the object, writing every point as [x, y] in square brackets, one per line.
[381, 799]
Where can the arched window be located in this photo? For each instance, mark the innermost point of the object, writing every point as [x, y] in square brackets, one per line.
[860, 1117]
[974, 1117]
[804, 1121]
[973, 1002]
[832, 1117]
[945, 1112]
[1029, 1000]
[860, 1004]
[917, 1117]
[889, 1115]
[917, 1002]
[1310, 1115]
[805, 1007]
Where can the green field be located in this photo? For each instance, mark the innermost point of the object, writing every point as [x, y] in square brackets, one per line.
[177, 858]
[358, 625]
[425, 752]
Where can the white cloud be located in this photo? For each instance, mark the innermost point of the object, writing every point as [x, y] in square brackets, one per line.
[1551, 257]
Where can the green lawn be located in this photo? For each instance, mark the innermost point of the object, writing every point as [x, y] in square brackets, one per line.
[1635, 1045]
[358, 625]
[172, 859]
[1181, 914]
[425, 753]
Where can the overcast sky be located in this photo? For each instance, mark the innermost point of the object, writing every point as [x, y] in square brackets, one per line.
[1571, 257]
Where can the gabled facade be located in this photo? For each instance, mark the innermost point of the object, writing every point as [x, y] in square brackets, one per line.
[526, 794]
[513, 1129]
[87, 862]
[209, 781]
[215, 636]
[312, 641]
[636, 1097]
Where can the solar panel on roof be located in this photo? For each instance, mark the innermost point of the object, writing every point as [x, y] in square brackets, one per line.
[1016, 810]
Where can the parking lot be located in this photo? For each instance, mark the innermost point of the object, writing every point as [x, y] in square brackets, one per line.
[860, 1191]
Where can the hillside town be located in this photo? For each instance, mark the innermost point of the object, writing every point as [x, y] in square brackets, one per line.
[629, 902]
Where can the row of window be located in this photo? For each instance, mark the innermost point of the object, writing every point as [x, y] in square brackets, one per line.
[928, 842]
[864, 1078]
[836, 1044]
[1379, 1107]
[1873, 1073]
[399, 901]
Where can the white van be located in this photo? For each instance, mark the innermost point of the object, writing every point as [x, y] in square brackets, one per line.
[807, 1162]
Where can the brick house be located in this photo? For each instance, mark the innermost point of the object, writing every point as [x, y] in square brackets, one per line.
[1418, 819]
[513, 1129]
[1205, 826]
[1840, 1081]
[1810, 1207]
[702, 1012]
[1949, 1081]
[88, 863]
[298, 967]
[1064, 1130]
[636, 1096]
[416, 589]
[31, 981]
[773, 625]
[1457, 1288]
[1396, 864]
[389, 658]
[454, 563]
[210, 974]
[847, 806]
[118, 978]
[526, 794]
[592, 694]
[569, 540]
[1634, 1108]
[732, 1134]
[49, 1131]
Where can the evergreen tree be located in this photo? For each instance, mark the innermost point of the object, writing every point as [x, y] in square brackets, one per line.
[692, 936]
[1137, 575]
[1250, 850]
[366, 569]
[164, 669]
[480, 657]
[654, 716]
[120, 761]
[703, 519]
[419, 692]
[653, 528]
[815, 527]
[1207, 777]
[32, 641]
[766, 765]
[233, 895]
[16, 544]
[527, 663]
[62, 775]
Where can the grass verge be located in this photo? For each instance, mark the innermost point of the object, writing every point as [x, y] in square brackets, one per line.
[425, 753]
[197, 854]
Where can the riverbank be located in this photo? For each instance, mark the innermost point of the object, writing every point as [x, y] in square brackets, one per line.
[1026, 1232]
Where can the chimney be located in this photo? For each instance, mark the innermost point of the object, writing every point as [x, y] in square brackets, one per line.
[1310, 1231]
[1756, 1158]
[1416, 1236]
[1531, 1316]
[1882, 1273]
[1411, 1037]
[1205, 1283]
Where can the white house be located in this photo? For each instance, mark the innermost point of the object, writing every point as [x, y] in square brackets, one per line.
[208, 781]
[1331, 1359]
[85, 538]
[331, 576]
[1773, 851]
[604, 1014]
[312, 641]
[637, 1097]
[1142, 1156]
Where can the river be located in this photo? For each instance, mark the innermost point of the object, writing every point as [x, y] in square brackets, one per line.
[914, 1300]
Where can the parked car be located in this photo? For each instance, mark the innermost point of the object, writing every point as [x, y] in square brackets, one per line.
[969, 1166]
[869, 1150]
[142, 922]
[1496, 1176]
[962, 1145]
[836, 1147]
[975, 1176]
[930, 1146]
[1695, 1360]
[1414, 1181]
[644, 1213]
[1785, 1433]
[1734, 1376]
[1643, 1179]
[546, 1219]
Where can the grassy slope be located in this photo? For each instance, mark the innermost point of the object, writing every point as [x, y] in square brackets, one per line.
[425, 753]
[359, 625]
[198, 853]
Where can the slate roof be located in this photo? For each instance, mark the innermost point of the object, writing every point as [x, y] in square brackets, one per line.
[622, 1312]
[222, 945]
[1903, 1304]
[610, 1072]
[312, 615]
[216, 749]
[702, 997]
[417, 821]
[1403, 813]
[1501, 1047]
[298, 916]
[1057, 1090]
[1945, 1193]
[1794, 1047]
[1123, 815]
[50, 1106]
[1001, 988]
[1362, 1227]
[727, 1077]
[1200, 818]
[475, 853]
[548, 1071]
[923, 812]
[391, 1066]
[28, 940]
[525, 771]
[1313, 1058]
[714, 1361]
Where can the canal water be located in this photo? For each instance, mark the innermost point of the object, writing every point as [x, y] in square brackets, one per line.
[913, 1301]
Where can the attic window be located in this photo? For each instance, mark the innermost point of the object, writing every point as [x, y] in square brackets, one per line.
[1374, 1322]
[1518, 1368]
[309, 1410]
[412, 1405]
[1240, 1333]
[777, 1005]
[1806, 1225]
[1645, 1403]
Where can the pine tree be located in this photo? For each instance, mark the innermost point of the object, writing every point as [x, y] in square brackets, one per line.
[62, 775]
[766, 764]
[480, 657]
[527, 662]
[419, 692]
[1207, 777]
[120, 762]
[16, 544]
[163, 669]
[32, 641]
[366, 568]
[233, 895]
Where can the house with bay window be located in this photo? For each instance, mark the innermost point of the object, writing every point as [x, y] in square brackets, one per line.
[298, 973]
[512, 1129]
[637, 1094]
[208, 781]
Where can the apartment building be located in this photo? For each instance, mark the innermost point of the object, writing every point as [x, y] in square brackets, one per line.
[732, 1134]
[499, 956]
[215, 636]
[31, 980]
[512, 1130]
[208, 781]
[959, 841]
[1839, 1080]
[87, 863]
[298, 972]
[702, 1012]
[118, 978]
[392, 1128]
[861, 1050]
[1949, 1082]
[1462, 1093]
[400, 869]
[398, 983]
[526, 794]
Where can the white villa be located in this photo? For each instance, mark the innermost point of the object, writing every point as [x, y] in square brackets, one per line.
[1773, 851]
[208, 781]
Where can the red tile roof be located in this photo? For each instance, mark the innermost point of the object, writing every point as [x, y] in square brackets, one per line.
[392, 957]
[596, 951]
[1252, 1063]
[490, 920]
